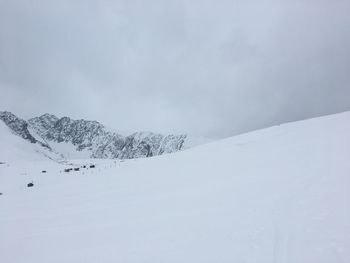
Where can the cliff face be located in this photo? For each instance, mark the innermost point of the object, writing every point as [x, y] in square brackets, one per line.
[19, 127]
[92, 137]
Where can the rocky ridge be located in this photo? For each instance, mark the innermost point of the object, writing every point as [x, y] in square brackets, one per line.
[91, 136]
[19, 127]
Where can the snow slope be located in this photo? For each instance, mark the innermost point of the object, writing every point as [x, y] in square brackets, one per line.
[14, 149]
[274, 195]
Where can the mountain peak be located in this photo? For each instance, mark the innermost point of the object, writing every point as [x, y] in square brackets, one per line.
[18, 126]
[48, 116]
[7, 115]
[92, 138]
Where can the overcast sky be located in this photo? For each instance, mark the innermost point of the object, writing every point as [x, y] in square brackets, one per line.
[209, 68]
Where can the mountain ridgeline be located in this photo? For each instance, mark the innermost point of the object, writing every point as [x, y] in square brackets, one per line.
[91, 137]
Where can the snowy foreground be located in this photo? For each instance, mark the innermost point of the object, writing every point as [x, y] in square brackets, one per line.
[277, 195]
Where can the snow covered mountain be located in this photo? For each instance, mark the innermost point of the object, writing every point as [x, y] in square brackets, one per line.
[14, 148]
[90, 139]
[276, 195]
[19, 127]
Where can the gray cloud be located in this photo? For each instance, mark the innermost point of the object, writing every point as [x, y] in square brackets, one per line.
[212, 68]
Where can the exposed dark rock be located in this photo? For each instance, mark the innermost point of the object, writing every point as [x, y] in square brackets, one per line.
[19, 127]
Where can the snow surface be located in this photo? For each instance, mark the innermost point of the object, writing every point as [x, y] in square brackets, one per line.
[14, 149]
[193, 141]
[274, 195]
